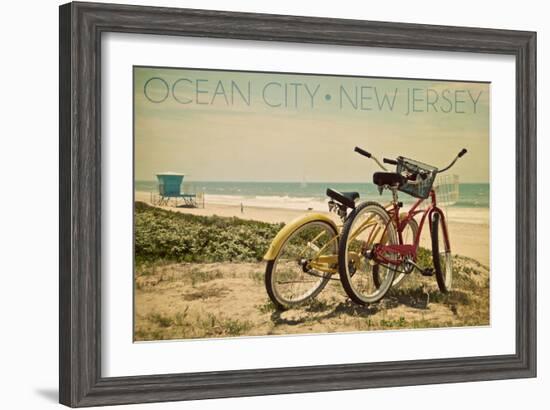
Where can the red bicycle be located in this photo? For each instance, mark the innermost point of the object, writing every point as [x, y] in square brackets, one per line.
[387, 240]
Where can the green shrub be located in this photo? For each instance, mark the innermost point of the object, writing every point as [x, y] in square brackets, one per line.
[167, 235]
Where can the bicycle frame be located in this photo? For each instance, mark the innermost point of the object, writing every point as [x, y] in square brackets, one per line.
[402, 249]
[325, 263]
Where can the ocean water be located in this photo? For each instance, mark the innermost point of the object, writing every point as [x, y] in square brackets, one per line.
[306, 195]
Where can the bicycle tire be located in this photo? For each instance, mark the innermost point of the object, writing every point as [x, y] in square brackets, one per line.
[280, 302]
[444, 278]
[343, 263]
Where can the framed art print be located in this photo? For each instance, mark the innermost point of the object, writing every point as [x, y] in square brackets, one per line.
[247, 201]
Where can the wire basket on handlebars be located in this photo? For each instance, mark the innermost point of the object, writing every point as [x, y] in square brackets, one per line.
[446, 189]
[420, 188]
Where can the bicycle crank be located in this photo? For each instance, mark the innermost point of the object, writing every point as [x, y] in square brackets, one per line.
[410, 264]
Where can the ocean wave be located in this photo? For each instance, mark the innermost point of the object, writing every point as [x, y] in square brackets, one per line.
[287, 202]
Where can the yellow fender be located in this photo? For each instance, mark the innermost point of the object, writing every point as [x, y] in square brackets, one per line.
[289, 228]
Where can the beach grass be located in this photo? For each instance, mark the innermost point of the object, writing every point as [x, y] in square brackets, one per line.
[172, 236]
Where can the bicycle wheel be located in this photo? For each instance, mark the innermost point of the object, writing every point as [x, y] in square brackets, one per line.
[408, 234]
[441, 253]
[303, 266]
[367, 227]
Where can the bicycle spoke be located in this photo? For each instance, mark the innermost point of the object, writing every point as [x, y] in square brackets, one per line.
[313, 246]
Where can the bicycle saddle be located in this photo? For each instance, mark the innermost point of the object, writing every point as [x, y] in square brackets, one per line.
[388, 178]
[346, 198]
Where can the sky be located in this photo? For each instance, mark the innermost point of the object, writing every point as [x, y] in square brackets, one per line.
[243, 126]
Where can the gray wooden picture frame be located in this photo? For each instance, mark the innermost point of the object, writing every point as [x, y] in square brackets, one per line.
[81, 28]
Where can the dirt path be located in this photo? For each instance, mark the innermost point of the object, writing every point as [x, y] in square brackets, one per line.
[175, 301]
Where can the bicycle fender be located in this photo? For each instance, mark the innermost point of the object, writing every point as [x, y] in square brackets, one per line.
[289, 228]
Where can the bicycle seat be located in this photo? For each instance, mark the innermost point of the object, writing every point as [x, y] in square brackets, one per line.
[345, 198]
[388, 178]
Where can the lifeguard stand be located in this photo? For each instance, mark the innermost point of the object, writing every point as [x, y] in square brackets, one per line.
[170, 190]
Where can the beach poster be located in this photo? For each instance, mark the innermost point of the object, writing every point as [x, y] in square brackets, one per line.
[255, 214]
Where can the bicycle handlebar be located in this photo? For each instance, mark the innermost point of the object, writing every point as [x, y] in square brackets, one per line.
[423, 175]
[460, 155]
[362, 152]
[369, 155]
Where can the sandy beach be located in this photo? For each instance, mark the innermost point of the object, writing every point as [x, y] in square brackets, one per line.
[469, 227]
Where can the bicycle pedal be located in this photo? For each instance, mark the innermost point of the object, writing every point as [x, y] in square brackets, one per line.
[427, 272]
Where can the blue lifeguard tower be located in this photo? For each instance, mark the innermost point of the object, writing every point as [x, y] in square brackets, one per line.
[170, 190]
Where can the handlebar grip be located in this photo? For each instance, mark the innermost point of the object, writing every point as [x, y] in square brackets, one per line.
[362, 152]
[462, 152]
[390, 161]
